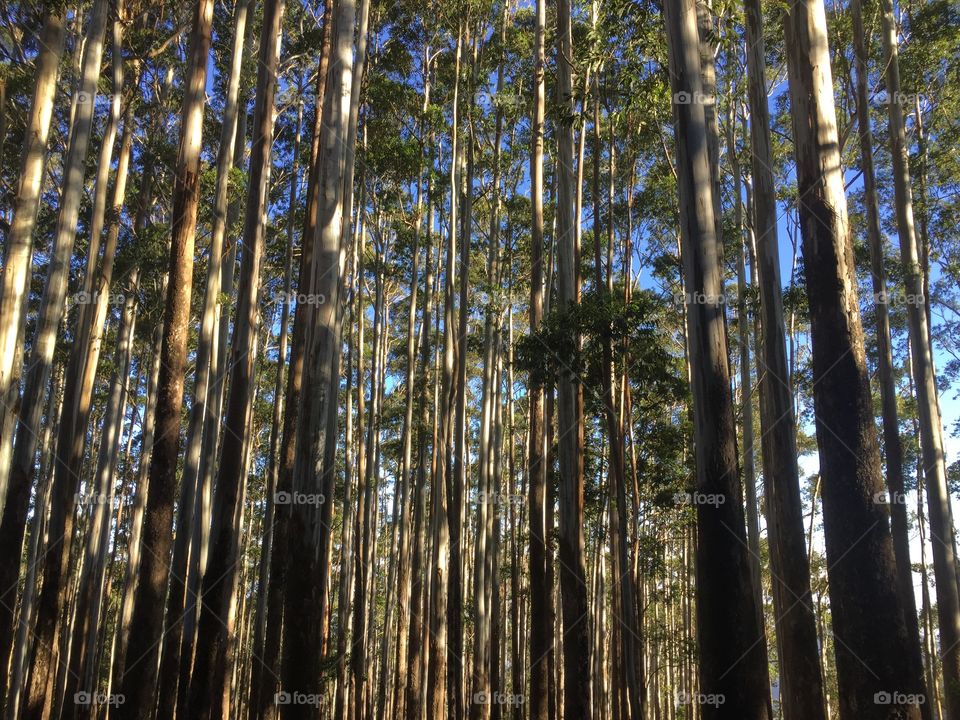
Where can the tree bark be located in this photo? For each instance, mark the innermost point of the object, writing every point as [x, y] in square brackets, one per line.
[801, 683]
[57, 555]
[15, 283]
[210, 684]
[139, 680]
[862, 569]
[892, 445]
[541, 594]
[14, 290]
[174, 644]
[924, 378]
[732, 659]
[306, 589]
[268, 668]
[576, 618]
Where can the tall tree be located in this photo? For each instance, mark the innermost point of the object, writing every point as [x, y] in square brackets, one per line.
[140, 672]
[267, 667]
[861, 565]
[892, 445]
[210, 679]
[317, 431]
[728, 631]
[576, 615]
[57, 556]
[541, 595]
[19, 243]
[924, 375]
[13, 302]
[802, 685]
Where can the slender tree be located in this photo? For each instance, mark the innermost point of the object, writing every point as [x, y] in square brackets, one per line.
[19, 243]
[802, 685]
[317, 431]
[924, 375]
[576, 616]
[728, 630]
[892, 445]
[139, 680]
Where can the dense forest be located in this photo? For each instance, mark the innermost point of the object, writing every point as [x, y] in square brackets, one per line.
[479, 359]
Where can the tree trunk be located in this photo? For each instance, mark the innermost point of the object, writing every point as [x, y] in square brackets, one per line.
[139, 680]
[15, 284]
[862, 569]
[83, 674]
[576, 618]
[268, 668]
[317, 431]
[924, 378]
[266, 555]
[541, 594]
[173, 652]
[801, 683]
[14, 292]
[210, 680]
[24, 635]
[892, 445]
[413, 704]
[730, 639]
[57, 556]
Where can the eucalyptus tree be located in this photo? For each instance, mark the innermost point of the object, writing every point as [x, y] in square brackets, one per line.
[924, 374]
[570, 423]
[19, 241]
[728, 631]
[802, 693]
[139, 679]
[868, 625]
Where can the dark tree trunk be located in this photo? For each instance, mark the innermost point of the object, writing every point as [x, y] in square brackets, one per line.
[869, 631]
